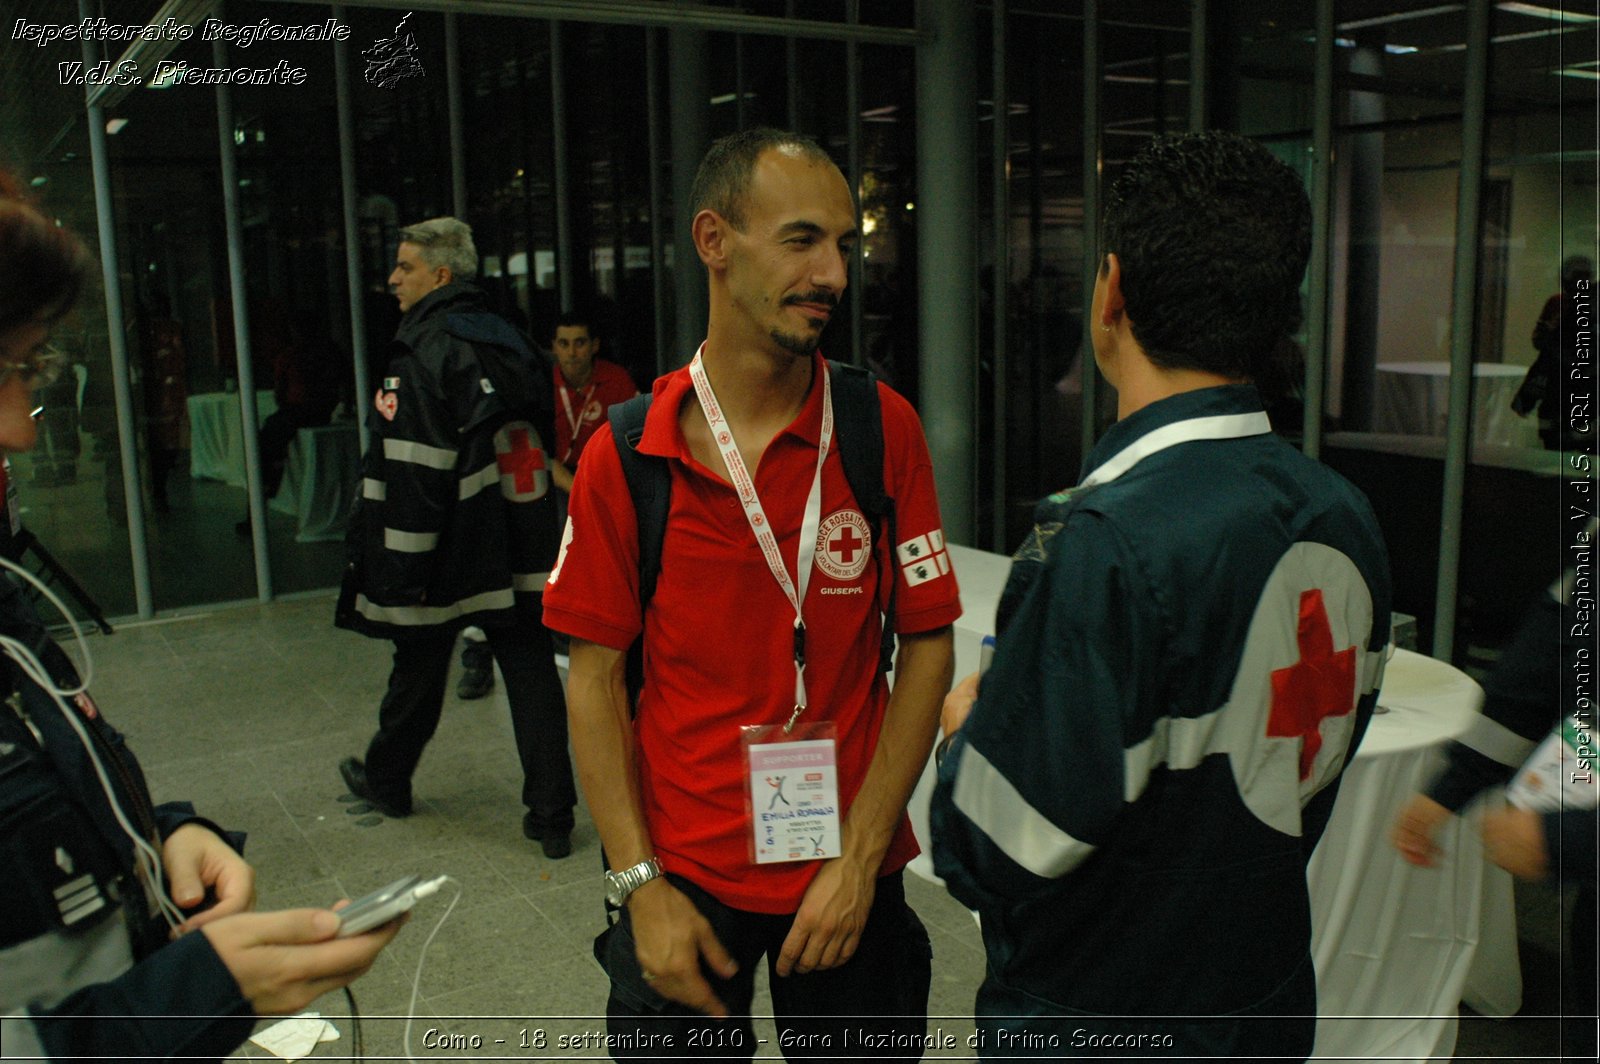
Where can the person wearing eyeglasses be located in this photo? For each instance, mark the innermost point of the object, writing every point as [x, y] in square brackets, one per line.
[89, 968]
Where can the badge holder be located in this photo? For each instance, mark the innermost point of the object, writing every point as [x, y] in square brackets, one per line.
[792, 791]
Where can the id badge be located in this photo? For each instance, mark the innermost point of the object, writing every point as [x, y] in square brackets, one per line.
[792, 792]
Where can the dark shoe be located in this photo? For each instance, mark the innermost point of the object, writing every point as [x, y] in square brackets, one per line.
[475, 683]
[555, 844]
[354, 774]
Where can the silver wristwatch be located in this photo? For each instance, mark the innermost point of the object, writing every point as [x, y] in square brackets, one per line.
[620, 884]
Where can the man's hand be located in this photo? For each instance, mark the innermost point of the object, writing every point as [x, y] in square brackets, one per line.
[670, 936]
[1514, 839]
[1415, 829]
[196, 859]
[285, 960]
[958, 705]
[827, 928]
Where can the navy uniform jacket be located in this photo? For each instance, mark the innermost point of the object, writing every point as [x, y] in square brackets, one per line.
[1189, 650]
[455, 524]
[1539, 679]
[85, 971]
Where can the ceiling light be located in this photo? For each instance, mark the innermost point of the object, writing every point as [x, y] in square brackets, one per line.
[114, 126]
[1552, 13]
[1403, 16]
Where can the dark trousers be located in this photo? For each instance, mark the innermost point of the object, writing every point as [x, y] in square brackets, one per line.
[1278, 1030]
[411, 708]
[881, 993]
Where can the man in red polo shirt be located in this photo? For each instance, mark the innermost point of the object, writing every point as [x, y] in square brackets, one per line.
[585, 387]
[754, 808]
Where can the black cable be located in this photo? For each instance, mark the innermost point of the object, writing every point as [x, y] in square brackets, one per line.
[355, 1025]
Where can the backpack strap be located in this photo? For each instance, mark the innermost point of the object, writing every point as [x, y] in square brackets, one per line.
[857, 407]
[650, 487]
[649, 484]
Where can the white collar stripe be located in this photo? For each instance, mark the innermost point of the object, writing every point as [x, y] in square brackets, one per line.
[1218, 427]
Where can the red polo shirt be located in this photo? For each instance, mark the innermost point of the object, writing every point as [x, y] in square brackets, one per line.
[719, 631]
[579, 411]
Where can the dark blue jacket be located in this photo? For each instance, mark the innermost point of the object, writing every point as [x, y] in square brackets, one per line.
[1189, 649]
[69, 891]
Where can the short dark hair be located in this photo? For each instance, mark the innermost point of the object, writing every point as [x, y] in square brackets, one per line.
[46, 267]
[574, 319]
[723, 179]
[1213, 233]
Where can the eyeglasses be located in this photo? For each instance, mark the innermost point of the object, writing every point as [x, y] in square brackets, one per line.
[42, 365]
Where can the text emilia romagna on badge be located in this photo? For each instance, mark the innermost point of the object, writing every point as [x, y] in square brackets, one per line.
[175, 72]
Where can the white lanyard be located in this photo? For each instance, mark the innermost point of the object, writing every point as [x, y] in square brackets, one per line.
[573, 418]
[745, 485]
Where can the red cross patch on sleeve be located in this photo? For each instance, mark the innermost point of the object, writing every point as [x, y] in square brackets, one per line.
[518, 451]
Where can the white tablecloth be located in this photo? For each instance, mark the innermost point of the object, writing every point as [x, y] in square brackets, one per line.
[320, 480]
[321, 474]
[216, 448]
[1397, 946]
[1412, 398]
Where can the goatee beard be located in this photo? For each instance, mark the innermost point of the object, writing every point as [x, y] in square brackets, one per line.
[795, 345]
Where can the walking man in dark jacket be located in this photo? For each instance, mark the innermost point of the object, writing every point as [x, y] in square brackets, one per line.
[457, 526]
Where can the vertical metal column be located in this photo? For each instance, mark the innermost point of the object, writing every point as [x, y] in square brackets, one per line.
[458, 139]
[858, 256]
[1089, 370]
[558, 123]
[946, 314]
[1198, 72]
[1463, 325]
[1000, 159]
[689, 111]
[241, 328]
[352, 227]
[1316, 385]
[116, 341]
[791, 55]
[658, 203]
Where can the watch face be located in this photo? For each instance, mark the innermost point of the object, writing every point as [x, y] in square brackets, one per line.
[613, 889]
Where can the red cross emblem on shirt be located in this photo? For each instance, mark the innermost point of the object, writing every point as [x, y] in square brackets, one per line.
[846, 543]
[1321, 684]
[521, 462]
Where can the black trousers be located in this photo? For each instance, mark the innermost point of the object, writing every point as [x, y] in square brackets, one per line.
[874, 1007]
[411, 708]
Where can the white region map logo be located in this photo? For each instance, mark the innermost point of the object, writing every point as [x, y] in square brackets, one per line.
[844, 543]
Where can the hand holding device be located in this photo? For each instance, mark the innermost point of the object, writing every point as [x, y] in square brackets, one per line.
[385, 904]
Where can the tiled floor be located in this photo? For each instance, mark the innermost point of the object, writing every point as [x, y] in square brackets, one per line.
[247, 711]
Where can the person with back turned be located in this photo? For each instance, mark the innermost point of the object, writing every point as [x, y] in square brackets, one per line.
[1189, 650]
[456, 526]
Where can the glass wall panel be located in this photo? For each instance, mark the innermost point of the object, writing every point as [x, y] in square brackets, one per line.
[510, 165]
[1264, 76]
[1044, 233]
[1538, 212]
[1398, 83]
[68, 490]
[608, 153]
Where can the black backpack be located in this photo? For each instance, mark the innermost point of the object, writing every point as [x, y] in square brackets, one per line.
[859, 414]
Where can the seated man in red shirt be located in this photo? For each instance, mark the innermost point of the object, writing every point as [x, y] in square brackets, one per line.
[755, 806]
